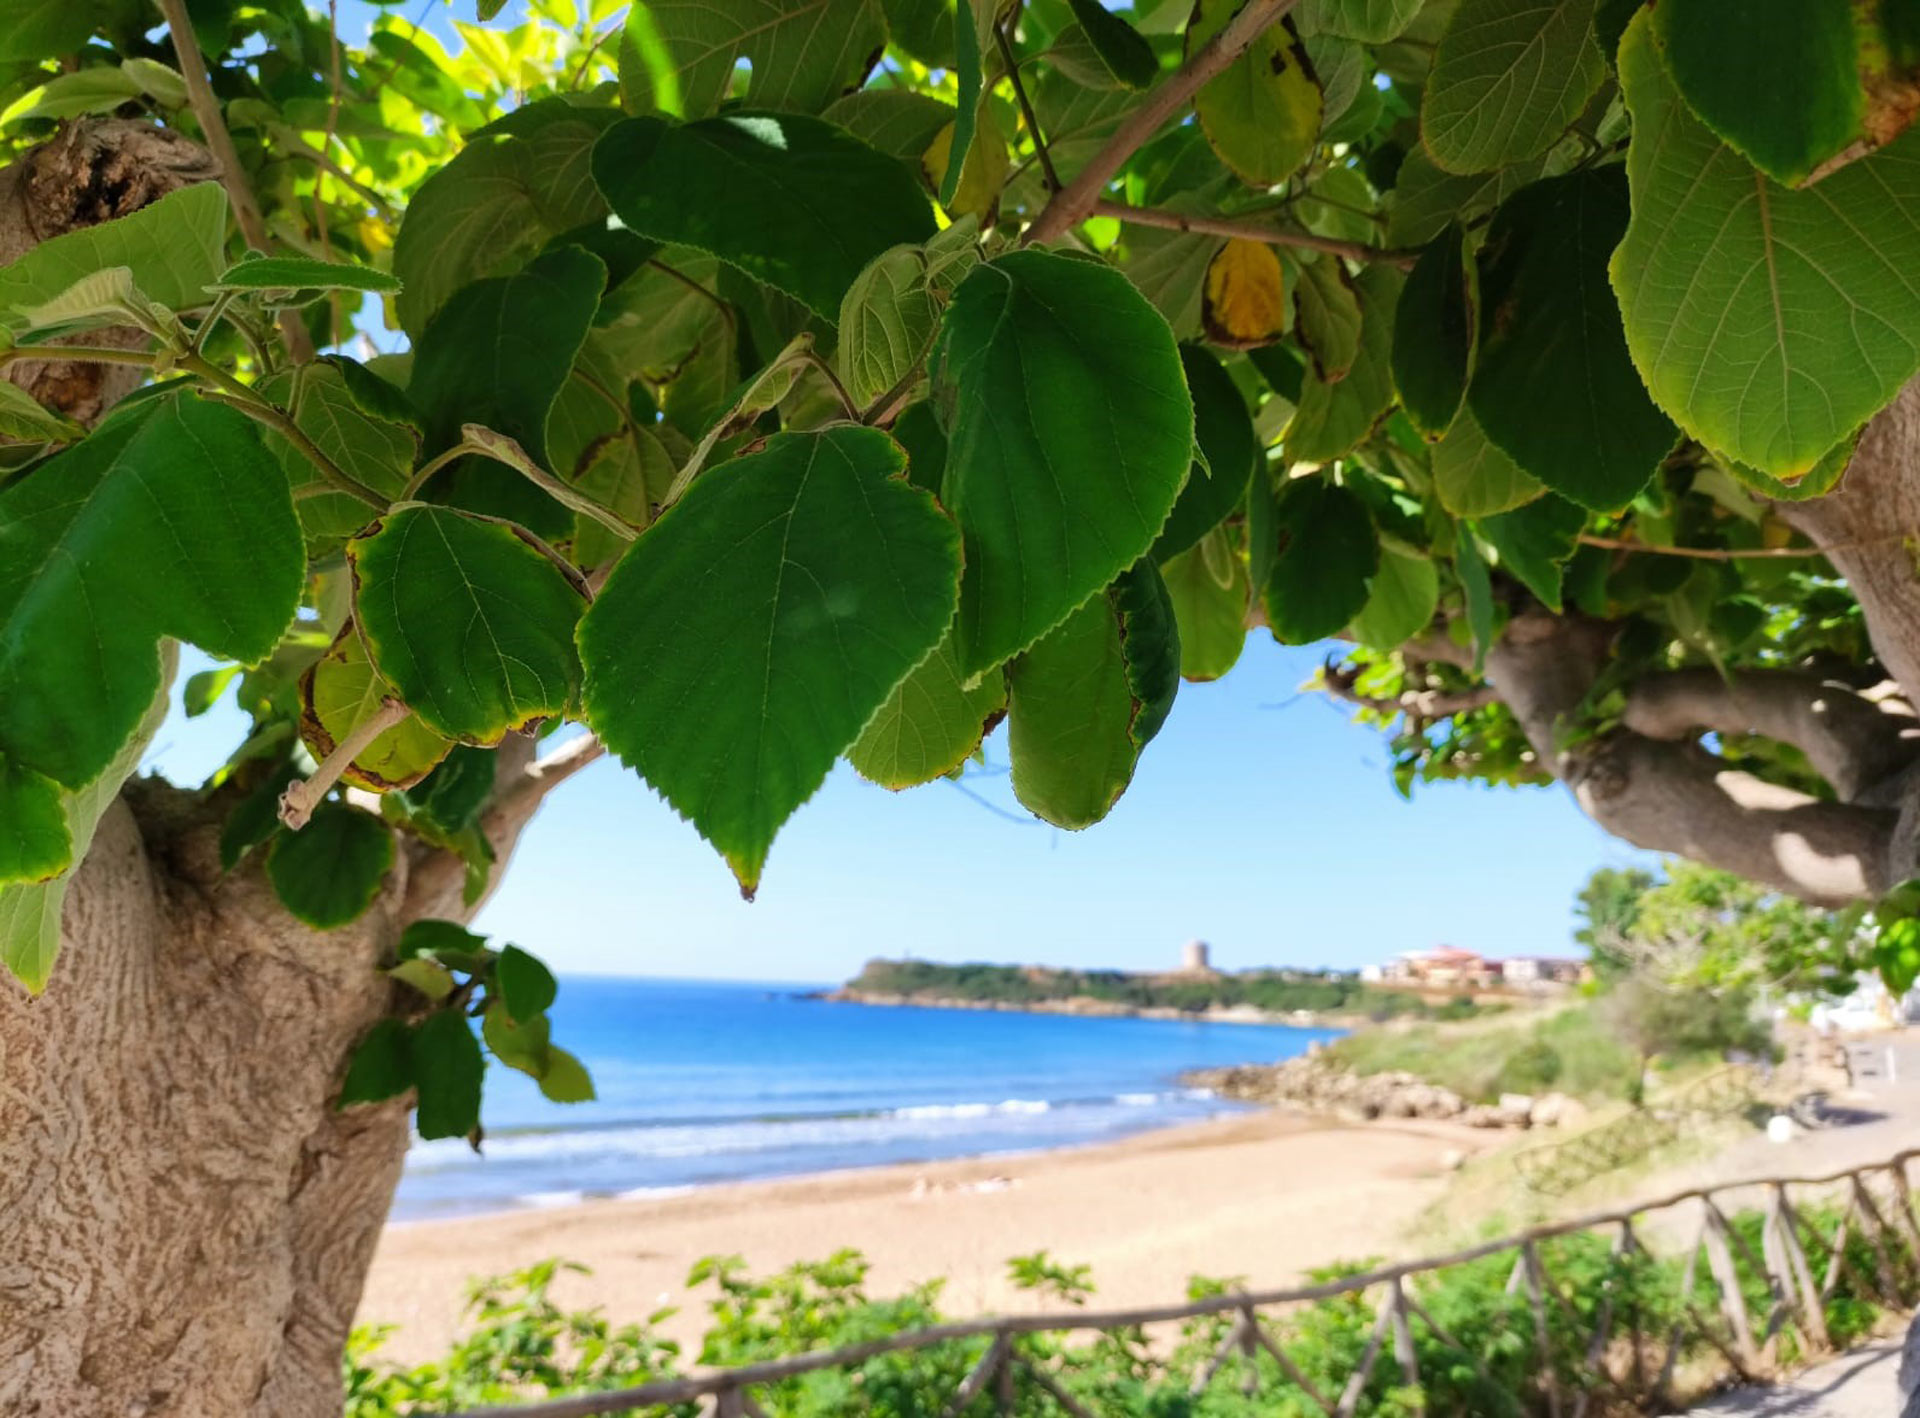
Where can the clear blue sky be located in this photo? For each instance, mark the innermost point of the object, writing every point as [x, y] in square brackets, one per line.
[1260, 820]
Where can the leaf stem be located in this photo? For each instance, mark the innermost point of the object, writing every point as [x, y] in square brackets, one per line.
[509, 453]
[1252, 231]
[1026, 107]
[424, 474]
[78, 354]
[302, 797]
[232, 392]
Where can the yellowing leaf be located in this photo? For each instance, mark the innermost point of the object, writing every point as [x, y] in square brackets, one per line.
[341, 692]
[982, 174]
[1245, 301]
[1262, 114]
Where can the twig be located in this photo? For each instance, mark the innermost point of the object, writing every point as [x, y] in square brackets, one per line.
[548, 773]
[206, 110]
[1074, 203]
[1252, 231]
[237, 395]
[1726, 553]
[1026, 108]
[302, 797]
[1415, 703]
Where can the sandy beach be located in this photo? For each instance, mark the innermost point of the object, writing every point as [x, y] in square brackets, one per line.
[1265, 1196]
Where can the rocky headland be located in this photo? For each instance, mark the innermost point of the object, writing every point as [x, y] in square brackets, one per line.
[1312, 1083]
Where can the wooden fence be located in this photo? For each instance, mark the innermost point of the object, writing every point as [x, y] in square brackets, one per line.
[1560, 1165]
[1758, 1285]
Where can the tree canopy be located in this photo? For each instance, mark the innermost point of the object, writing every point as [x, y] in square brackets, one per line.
[759, 383]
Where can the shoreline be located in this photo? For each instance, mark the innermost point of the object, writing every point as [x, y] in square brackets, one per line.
[1087, 1007]
[1263, 1195]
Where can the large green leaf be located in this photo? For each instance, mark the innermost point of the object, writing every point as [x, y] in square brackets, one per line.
[930, 725]
[173, 249]
[468, 621]
[891, 312]
[1326, 555]
[497, 204]
[1327, 318]
[1426, 198]
[1224, 431]
[679, 56]
[744, 642]
[793, 201]
[1070, 428]
[1535, 541]
[1779, 80]
[1508, 78]
[328, 872]
[1434, 332]
[303, 273]
[1400, 602]
[1370, 21]
[378, 452]
[1332, 418]
[1262, 114]
[1209, 589]
[448, 1070]
[1730, 284]
[1083, 702]
[1553, 385]
[30, 913]
[1127, 56]
[170, 520]
[1473, 477]
[527, 987]
[497, 354]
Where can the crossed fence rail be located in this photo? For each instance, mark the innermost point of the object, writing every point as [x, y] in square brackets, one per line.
[1774, 1277]
[1561, 1165]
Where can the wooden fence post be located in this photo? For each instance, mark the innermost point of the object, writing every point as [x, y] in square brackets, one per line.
[1537, 1297]
[1732, 1301]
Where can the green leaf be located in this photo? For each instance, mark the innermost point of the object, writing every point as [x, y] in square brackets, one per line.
[495, 206]
[1400, 602]
[105, 297]
[30, 914]
[1729, 284]
[1090, 470]
[1369, 21]
[173, 249]
[1476, 587]
[34, 845]
[930, 725]
[891, 314]
[497, 354]
[527, 987]
[1473, 477]
[24, 420]
[1210, 591]
[1426, 198]
[447, 1071]
[1083, 702]
[1128, 57]
[35, 30]
[1327, 318]
[328, 873]
[1333, 418]
[94, 90]
[1327, 553]
[967, 73]
[1262, 114]
[172, 520]
[1217, 482]
[897, 122]
[792, 201]
[203, 690]
[1535, 541]
[1434, 331]
[519, 1044]
[1801, 55]
[429, 977]
[565, 1079]
[377, 451]
[1896, 954]
[471, 624]
[298, 273]
[924, 29]
[381, 1066]
[744, 642]
[679, 56]
[1553, 385]
[1508, 79]
[448, 942]
[341, 692]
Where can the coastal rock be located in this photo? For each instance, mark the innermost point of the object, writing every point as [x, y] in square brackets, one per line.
[1312, 1083]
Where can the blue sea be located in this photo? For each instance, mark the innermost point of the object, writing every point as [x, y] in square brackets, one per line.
[720, 1082]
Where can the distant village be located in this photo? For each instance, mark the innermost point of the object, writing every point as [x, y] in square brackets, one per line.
[1447, 967]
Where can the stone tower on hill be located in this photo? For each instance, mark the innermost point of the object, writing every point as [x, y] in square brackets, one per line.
[1194, 959]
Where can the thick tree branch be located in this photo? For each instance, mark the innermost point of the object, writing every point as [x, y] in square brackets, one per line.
[1074, 203]
[1251, 231]
[1677, 797]
[1851, 741]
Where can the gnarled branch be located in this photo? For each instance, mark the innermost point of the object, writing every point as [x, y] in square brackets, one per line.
[1852, 742]
[1341, 682]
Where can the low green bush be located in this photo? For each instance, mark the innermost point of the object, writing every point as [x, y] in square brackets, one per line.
[521, 1346]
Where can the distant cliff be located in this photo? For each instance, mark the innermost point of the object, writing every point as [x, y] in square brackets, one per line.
[1253, 997]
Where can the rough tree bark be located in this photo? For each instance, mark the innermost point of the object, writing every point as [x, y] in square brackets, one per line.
[185, 1219]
